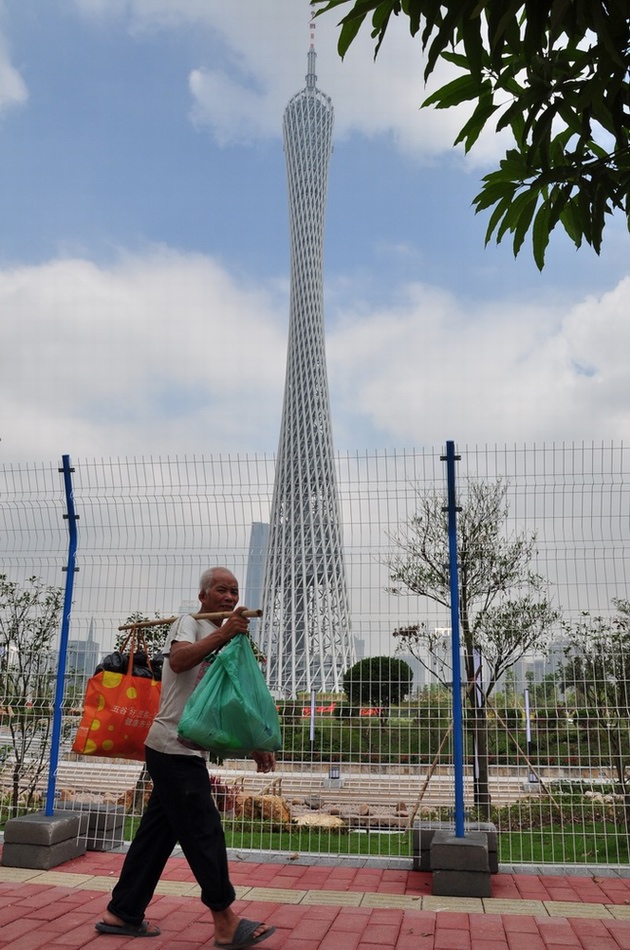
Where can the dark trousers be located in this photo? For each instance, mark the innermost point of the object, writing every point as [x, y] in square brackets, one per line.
[181, 808]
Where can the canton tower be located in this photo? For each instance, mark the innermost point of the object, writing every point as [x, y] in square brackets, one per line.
[305, 630]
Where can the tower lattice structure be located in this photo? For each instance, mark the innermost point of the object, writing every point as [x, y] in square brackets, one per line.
[305, 630]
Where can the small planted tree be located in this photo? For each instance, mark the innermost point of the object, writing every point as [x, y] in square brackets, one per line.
[504, 611]
[597, 672]
[29, 620]
[154, 636]
[378, 681]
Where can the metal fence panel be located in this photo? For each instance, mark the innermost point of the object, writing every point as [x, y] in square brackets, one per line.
[353, 778]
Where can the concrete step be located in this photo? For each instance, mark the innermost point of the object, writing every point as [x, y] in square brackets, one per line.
[114, 778]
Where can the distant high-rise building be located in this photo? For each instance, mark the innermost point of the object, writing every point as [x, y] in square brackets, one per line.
[305, 629]
[83, 655]
[258, 539]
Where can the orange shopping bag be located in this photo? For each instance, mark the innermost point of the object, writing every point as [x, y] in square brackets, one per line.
[118, 710]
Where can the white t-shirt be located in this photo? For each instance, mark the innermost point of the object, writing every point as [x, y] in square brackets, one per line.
[176, 688]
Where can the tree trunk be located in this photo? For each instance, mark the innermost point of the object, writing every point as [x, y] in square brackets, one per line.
[15, 791]
[481, 783]
[476, 698]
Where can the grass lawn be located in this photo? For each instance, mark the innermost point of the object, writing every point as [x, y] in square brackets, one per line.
[595, 843]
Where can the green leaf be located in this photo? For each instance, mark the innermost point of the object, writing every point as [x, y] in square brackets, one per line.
[557, 21]
[513, 118]
[502, 18]
[499, 212]
[514, 212]
[540, 235]
[473, 128]
[570, 220]
[558, 198]
[523, 211]
[541, 131]
[458, 90]
[501, 207]
[349, 30]
[608, 41]
[351, 23]
[584, 208]
[572, 117]
[599, 210]
[473, 45]
[457, 59]
[514, 166]
[446, 29]
[558, 70]
[493, 191]
[413, 9]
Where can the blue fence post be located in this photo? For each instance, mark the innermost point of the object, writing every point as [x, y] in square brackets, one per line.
[458, 742]
[65, 629]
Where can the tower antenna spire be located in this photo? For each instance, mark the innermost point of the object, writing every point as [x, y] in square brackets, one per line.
[311, 78]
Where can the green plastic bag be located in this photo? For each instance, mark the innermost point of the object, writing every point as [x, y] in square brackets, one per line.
[231, 711]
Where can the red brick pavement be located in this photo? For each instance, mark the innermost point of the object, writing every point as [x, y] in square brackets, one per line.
[35, 914]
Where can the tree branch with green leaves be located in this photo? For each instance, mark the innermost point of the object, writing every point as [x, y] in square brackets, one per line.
[30, 616]
[555, 73]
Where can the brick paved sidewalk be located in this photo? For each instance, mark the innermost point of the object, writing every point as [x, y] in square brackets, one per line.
[318, 907]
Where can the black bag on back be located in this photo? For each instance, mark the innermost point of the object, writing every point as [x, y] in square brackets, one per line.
[118, 662]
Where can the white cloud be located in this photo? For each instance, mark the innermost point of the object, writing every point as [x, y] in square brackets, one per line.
[234, 112]
[146, 14]
[433, 368]
[165, 354]
[370, 98]
[241, 94]
[13, 91]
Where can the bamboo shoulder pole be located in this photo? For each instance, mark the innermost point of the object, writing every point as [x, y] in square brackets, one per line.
[220, 615]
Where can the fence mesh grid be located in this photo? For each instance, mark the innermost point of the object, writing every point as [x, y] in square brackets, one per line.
[552, 736]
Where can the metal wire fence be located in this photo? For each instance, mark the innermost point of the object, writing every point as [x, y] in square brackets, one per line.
[547, 707]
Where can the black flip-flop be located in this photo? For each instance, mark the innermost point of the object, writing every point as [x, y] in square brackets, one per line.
[244, 935]
[128, 930]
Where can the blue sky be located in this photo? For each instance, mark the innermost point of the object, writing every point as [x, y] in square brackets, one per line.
[144, 259]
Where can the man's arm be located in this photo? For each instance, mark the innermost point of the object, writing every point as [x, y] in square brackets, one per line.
[184, 656]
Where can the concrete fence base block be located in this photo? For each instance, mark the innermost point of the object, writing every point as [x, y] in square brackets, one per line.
[43, 841]
[423, 832]
[460, 866]
[105, 824]
[461, 884]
